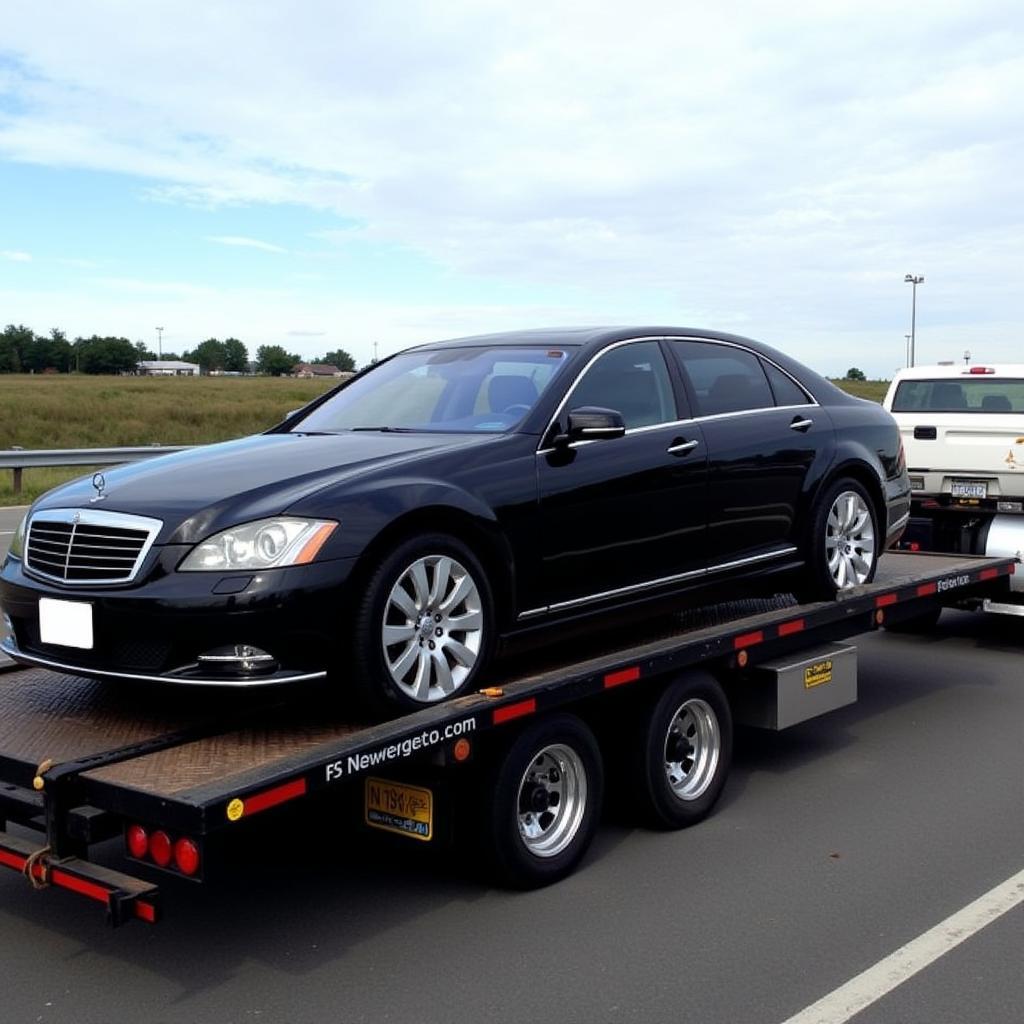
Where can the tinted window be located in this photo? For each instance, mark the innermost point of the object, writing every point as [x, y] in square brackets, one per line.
[723, 379]
[633, 380]
[970, 394]
[785, 389]
[455, 389]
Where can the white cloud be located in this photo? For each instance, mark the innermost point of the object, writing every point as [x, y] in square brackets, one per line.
[771, 167]
[15, 256]
[246, 243]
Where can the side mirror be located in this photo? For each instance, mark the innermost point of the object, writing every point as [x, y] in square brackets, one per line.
[590, 423]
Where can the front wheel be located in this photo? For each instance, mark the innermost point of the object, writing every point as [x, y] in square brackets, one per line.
[424, 629]
[843, 544]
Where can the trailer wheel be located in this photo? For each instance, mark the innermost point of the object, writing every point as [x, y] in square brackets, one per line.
[545, 803]
[681, 751]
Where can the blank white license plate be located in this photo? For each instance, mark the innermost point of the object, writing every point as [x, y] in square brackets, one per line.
[970, 489]
[67, 623]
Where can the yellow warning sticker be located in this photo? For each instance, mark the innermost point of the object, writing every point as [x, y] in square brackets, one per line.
[235, 809]
[818, 673]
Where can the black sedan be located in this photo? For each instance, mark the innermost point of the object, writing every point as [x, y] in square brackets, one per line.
[392, 532]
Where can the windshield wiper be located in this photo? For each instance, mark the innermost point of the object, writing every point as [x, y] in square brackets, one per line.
[387, 430]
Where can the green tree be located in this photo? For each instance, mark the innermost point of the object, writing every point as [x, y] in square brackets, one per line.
[854, 374]
[236, 356]
[209, 354]
[341, 359]
[144, 351]
[105, 355]
[16, 345]
[274, 360]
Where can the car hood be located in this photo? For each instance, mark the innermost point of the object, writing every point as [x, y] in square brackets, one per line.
[218, 485]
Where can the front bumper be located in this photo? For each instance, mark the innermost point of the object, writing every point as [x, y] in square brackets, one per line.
[156, 629]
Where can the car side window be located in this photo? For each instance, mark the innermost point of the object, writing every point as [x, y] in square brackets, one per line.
[631, 379]
[785, 389]
[723, 379]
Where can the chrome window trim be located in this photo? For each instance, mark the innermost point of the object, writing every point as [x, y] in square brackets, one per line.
[651, 584]
[93, 517]
[812, 404]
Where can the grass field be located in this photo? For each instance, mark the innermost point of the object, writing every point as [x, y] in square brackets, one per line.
[105, 412]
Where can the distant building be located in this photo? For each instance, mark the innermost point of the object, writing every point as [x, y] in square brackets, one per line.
[167, 368]
[317, 370]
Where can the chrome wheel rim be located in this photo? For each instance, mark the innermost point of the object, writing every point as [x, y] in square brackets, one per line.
[433, 628]
[552, 799]
[693, 744]
[849, 540]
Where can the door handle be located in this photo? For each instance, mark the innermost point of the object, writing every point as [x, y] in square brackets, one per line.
[681, 447]
[799, 424]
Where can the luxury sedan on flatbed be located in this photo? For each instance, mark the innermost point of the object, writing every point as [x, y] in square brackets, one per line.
[392, 533]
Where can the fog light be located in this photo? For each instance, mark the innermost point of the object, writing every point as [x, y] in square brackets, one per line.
[238, 658]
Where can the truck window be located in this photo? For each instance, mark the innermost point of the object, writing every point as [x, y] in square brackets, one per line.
[980, 394]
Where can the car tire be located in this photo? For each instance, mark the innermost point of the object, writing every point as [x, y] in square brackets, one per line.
[843, 542]
[423, 627]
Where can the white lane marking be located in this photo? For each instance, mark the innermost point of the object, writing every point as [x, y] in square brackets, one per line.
[6, 533]
[869, 986]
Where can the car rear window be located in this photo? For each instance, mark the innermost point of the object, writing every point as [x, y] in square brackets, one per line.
[977, 394]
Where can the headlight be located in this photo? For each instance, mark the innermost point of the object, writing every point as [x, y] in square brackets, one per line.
[265, 544]
[17, 547]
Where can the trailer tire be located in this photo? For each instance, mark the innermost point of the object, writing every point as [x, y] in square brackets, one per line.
[545, 804]
[681, 752]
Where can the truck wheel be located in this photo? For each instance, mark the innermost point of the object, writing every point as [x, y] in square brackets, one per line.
[545, 803]
[681, 752]
[843, 543]
[424, 628]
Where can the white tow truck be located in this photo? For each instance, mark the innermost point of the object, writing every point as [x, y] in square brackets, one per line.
[963, 434]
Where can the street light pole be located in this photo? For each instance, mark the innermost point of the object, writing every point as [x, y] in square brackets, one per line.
[906, 349]
[914, 280]
[159, 343]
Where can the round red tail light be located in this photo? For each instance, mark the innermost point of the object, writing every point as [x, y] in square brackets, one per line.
[186, 856]
[138, 841]
[160, 848]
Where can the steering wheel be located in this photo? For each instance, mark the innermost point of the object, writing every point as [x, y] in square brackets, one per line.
[515, 410]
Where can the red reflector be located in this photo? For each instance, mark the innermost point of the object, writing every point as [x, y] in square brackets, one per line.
[982, 369]
[510, 711]
[885, 599]
[137, 840]
[145, 912]
[160, 848]
[748, 639]
[186, 856]
[789, 628]
[79, 885]
[627, 675]
[988, 574]
[927, 588]
[275, 796]
[914, 546]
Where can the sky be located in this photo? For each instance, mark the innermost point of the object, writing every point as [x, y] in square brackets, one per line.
[336, 174]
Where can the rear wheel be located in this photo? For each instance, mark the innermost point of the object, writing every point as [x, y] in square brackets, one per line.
[681, 752]
[424, 629]
[844, 541]
[543, 810]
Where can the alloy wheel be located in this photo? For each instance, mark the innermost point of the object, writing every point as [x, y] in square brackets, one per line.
[849, 540]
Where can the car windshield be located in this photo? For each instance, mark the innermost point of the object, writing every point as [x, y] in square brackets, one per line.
[464, 389]
[970, 394]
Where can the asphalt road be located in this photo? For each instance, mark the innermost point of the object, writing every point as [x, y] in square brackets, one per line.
[835, 843]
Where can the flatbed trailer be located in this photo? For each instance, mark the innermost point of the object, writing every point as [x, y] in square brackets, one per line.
[517, 768]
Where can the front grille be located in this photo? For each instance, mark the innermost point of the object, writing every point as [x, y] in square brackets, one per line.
[82, 546]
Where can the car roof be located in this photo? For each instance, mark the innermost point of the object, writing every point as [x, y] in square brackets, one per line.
[943, 371]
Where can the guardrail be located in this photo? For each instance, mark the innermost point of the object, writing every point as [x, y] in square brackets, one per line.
[19, 459]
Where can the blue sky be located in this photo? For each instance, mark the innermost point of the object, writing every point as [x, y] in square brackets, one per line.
[336, 175]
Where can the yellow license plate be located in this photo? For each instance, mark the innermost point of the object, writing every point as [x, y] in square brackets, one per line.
[393, 807]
